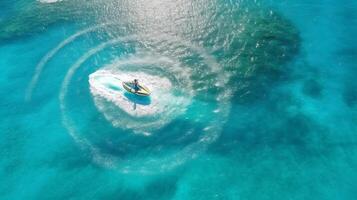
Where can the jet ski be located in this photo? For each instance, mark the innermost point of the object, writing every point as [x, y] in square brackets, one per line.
[143, 91]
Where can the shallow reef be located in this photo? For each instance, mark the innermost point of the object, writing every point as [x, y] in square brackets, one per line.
[254, 44]
[35, 17]
[312, 88]
[270, 43]
[350, 96]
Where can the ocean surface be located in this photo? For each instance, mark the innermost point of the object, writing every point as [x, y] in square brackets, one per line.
[250, 99]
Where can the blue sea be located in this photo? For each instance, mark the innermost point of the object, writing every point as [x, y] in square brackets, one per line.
[249, 99]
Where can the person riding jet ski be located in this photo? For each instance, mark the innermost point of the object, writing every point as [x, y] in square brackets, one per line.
[136, 85]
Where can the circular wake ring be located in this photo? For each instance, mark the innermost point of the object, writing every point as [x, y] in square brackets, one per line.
[180, 75]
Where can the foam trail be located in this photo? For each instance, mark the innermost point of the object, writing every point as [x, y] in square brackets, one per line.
[49, 55]
[49, 1]
[163, 104]
[158, 100]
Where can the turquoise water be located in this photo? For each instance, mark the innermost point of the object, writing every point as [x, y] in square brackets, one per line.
[250, 99]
